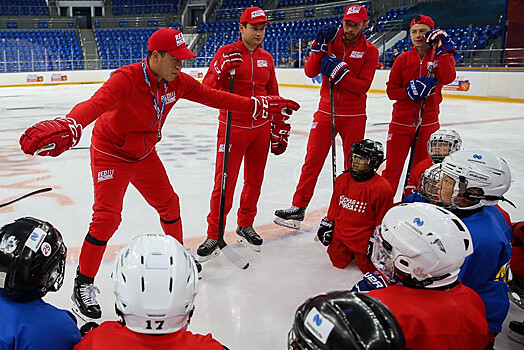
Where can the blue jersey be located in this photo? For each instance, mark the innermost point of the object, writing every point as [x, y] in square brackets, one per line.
[414, 197]
[36, 325]
[484, 270]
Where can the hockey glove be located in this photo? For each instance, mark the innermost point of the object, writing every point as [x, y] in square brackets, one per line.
[325, 231]
[87, 327]
[228, 61]
[371, 281]
[421, 87]
[325, 35]
[51, 137]
[273, 108]
[440, 39]
[279, 137]
[333, 68]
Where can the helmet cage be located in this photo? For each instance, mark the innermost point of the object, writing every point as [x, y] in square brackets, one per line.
[442, 143]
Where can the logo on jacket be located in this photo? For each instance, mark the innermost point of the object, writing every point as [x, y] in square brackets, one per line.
[352, 204]
[170, 97]
[221, 148]
[356, 54]
[105, 175]
[261, 63]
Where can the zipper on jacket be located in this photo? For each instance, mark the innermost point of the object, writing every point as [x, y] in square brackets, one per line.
[252, 82]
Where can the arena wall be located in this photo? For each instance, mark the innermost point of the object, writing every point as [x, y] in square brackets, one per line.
[486, 84]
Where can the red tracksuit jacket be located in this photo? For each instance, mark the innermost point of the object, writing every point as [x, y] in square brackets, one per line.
[408, 66]
[350, 93]
[357, 208]
[254, 77]
[436, 319]
[112, 335]
[127, 124]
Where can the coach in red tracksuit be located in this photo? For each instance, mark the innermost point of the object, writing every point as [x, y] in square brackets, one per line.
[352, 68]
[408, 85]
[130, 109]
[250, 139]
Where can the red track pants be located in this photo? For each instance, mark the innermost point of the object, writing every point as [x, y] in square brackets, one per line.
[351, 129]
[400, 139]
[111, 177]
[252, 145]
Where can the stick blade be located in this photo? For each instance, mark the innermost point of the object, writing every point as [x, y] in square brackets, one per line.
[235, 258]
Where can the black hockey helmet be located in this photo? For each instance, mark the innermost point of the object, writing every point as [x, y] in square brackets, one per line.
[345, 320]
[373, 151]
[32, 259]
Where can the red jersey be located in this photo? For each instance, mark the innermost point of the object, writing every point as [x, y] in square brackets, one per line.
[437, 319]
[254, 77]
[128, 125]
[417, 172]
[350, 93]
[357, 208]
[408, 66]
[112, 335]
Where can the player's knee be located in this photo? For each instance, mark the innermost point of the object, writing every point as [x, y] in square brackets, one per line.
[104, 224]
[169, 210]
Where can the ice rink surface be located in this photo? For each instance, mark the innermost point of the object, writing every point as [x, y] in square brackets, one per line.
[243, 309]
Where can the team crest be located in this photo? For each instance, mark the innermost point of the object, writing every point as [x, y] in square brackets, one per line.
[261, 63]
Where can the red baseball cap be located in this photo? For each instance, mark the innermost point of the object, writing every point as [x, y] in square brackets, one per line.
[355, 13]
[171, 41]
[422, 19]
[254, 15]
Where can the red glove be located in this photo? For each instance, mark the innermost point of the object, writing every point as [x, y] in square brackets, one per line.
[274, 108]
[279, 135]
[518, 233]
[228, 61]
[51, 137]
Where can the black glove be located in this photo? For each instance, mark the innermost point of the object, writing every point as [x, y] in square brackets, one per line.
[87, 327]
[325, 231]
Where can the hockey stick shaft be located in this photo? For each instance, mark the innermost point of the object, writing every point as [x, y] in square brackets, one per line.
[42, 190]
[419, 123]
[235, 258]
[333, 133]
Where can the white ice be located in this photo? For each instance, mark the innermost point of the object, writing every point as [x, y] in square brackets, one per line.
[244, 309]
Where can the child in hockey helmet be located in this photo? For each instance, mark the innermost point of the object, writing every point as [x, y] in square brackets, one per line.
[345, 320]
[32, 263]
[421, 245]
[442, 143]
[32, 259]
[364, 159]
[467, 180]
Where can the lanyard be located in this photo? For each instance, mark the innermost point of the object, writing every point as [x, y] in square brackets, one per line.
[159, 111]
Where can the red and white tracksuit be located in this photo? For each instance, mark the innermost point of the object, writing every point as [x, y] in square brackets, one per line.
[123, 149]
[408, 66]
[356, 208]
[249, 139]
[349, 108]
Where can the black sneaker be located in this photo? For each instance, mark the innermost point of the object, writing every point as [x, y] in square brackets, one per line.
[248, 237]
[207, 250]
[84, 301]
[290, 217]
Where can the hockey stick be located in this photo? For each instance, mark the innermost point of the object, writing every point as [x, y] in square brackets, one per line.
[42, 190]
[233, 256]
[419, 122]
[333, 134]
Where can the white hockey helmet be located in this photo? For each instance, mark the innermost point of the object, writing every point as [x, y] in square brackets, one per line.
[155, 283]
[442, 143]
[479, 176]
[421, 245]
